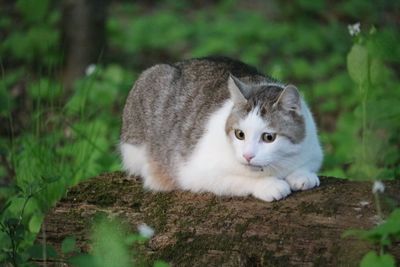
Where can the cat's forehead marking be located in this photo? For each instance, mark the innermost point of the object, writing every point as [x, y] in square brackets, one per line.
[253, 120]
[280, 120]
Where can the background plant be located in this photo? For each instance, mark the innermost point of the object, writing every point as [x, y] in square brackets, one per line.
[377, 122]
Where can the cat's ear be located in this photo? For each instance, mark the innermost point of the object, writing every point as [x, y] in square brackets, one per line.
[240, 92]
[290, 99]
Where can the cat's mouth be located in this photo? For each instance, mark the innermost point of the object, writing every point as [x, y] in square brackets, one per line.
[256, 168]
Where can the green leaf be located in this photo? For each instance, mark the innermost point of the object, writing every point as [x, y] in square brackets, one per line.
[316, 6]
[160, 264]
[357, 64]
[20, 233]
[114, 73]
[33, 11]
[44, 89]
[83, 260]
[5, 101]
[371, 259]
[391, 226]
[35, 223]
[36, 251]
[11, 222]
[383, 233]
[5, 206]
[51, 252]
[378, 72]
[68, 245]
[354, 232]
[52, 179]
[108, 245]
[135, 238]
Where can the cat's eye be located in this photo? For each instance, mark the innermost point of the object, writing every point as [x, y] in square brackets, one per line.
[268, 137]
[239, 134]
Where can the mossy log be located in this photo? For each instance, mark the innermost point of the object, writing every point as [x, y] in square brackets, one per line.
[305, 229]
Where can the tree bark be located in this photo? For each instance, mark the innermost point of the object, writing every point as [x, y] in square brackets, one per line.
[206, 230]
[84, 36]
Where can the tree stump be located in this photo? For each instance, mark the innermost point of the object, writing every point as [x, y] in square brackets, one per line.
[206, 230]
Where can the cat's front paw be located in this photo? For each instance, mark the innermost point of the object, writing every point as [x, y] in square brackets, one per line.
[302, 180]
[271, 189]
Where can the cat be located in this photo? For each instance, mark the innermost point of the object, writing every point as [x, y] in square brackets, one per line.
[218, 125]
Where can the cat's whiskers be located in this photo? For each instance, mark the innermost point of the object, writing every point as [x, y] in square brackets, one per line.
[273, 168]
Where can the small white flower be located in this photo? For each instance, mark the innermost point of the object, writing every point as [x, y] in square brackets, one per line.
[90, 69]
[377, 220]
[378, 187]
[145, 230]
[354, 29]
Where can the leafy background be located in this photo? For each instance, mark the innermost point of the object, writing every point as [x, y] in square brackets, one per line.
[52, 138]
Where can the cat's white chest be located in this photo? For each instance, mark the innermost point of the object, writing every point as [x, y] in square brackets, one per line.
[213, 156]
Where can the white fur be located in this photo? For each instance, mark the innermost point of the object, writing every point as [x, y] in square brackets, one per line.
[272, 84]
[218, 166]
[136, 162]
[134, 159]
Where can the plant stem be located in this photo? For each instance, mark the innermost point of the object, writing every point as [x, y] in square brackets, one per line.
[11, 234]
[378, 206]
[44, 252]
[364, 89]
[23, 208]
[380, 218]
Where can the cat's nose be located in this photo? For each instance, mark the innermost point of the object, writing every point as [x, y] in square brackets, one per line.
[248, 156]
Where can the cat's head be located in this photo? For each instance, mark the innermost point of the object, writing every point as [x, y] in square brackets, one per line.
[266, 124]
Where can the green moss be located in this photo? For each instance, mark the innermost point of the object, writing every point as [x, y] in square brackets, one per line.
[189, 246]
[102, 200]
[136, 205]
[157, 210]
[308, 207]
[320, 260]
[240, 228]
[328, 208]
[271, 260]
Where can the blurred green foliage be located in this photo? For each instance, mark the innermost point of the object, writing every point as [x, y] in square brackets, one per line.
[384, 235]
[366, 67]
[36, 39]
[304, 45]
[51, 139]
[375, 115]
[111, 244]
